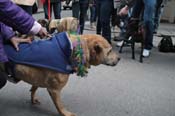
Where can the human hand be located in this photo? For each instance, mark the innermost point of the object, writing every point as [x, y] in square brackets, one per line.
[124, 11]
[16, 41]
[90, 5]
[43, 33]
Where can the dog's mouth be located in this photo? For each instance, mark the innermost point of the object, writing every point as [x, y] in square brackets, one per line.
[112, 63]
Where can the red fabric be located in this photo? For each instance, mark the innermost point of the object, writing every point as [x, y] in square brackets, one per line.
[49, 13]
[43, 1]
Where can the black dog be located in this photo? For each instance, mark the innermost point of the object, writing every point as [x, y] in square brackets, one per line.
[134, 34]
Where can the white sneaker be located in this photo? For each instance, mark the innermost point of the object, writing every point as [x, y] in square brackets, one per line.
[119, 43]
[146, 53]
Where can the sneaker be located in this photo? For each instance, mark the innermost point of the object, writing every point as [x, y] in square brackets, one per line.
[146, 53]
[119, 44]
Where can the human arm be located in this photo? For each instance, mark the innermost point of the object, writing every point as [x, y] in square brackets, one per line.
[15, 17]
[125, 9]
[8, 34]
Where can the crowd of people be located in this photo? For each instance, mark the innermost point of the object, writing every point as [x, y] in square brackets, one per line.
[101, 11]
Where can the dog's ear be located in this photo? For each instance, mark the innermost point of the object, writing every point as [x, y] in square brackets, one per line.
[97, 49]
[86, 52]
[62, 26]
[74, 24]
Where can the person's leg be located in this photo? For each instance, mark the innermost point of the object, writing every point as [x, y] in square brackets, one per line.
[137, 9]
[98, 7]
[57, 10]
[149, 10]
[3, 79]
[45, 7]
[106, 11]
[75, 9]
[83, 13]
[92, 14]
[158, 11]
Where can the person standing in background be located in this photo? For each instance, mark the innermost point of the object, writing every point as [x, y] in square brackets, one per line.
[84, 4]
[79, 11]
[159, 9]
[75, 8]
[147, 7]
[93, 16]
[56, 5]
[104, 12]
[25, 5]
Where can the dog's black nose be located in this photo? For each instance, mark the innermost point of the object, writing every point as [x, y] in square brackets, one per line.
[119, 59]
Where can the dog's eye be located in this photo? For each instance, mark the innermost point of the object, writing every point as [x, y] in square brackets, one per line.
[109, 51]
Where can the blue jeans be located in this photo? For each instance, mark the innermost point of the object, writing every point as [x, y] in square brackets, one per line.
[56, 9]
[159, 8]
[104, 12]
[147, 7]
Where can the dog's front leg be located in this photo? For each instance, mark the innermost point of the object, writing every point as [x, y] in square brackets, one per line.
[34, 100]
[55, 95]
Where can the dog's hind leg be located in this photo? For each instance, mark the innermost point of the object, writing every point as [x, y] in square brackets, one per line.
[34, 100]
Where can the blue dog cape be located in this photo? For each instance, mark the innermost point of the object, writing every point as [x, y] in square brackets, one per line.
[53, 53]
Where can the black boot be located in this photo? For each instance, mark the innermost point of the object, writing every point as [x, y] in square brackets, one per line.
[3, 79]
[9, 69]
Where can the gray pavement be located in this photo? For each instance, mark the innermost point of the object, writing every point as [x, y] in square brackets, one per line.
[128, 89]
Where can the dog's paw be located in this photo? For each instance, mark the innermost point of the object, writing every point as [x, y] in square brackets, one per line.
[67, 113]
[70, 114]
[35, 101]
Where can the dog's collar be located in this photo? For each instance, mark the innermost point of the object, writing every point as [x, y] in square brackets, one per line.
[77, 58]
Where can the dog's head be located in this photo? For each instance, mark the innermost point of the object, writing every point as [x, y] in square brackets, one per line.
[68, 24]
[100, 51]
[65, 24]
[43, 22]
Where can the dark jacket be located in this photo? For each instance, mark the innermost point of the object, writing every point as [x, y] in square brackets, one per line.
[129, 2]
[84, 1]
[92, 2]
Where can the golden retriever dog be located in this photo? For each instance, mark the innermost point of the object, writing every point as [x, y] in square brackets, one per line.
[64, 24]
[96, 51]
